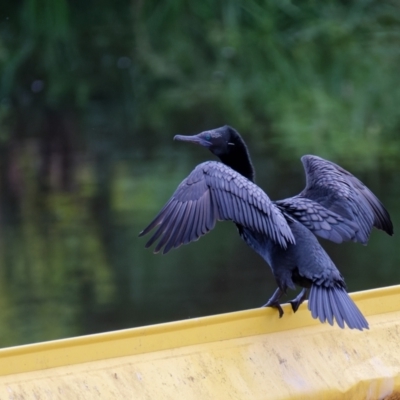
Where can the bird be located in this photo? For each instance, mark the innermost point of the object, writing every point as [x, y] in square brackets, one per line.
[334, 205]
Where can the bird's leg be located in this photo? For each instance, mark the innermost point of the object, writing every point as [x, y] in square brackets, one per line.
[298, 299]
[274, 301]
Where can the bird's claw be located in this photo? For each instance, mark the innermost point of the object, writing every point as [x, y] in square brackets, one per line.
[275, 305]
[296, 302]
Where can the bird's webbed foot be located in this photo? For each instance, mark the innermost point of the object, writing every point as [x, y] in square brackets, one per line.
[298, 299]
[274, 301]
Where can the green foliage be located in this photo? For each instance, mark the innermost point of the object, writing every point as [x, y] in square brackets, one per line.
[298, 76]
[307, 77]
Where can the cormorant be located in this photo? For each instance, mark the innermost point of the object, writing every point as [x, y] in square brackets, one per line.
[334, 205]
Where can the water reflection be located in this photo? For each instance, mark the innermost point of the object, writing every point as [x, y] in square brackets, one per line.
[72, 263]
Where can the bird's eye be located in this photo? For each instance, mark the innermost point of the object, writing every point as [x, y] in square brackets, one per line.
[208, 137]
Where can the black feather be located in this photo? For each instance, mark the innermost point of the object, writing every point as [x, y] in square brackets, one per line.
[331, 303]
[342, 193]
[211, 200]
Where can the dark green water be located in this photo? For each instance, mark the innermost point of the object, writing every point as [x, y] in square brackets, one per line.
[91, 94]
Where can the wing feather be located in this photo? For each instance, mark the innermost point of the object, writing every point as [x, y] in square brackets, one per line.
[168, 227]
[196, 219]
[199, 230]
[319, 220]
[212, 192]
[184, 226]
[346, 195]
[165, 218]
[335, 204]
[176, 229]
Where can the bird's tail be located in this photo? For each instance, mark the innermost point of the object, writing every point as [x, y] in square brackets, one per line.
[329, 303]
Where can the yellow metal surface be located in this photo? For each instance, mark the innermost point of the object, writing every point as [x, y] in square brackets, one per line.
[244, 355]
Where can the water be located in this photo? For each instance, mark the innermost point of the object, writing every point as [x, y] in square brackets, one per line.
[90, 98]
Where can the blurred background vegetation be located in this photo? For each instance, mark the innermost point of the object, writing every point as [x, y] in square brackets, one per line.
[91, 94]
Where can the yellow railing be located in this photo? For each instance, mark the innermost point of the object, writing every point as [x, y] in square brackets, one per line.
[242, 355]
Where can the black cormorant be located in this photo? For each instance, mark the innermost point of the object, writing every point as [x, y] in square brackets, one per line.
[334, 205]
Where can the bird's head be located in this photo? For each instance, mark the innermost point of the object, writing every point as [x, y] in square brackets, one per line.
[226, 143]
[219, 141]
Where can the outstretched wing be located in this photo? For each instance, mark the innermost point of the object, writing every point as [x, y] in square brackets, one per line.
[341, 193]
[318, 219]
[214, 191]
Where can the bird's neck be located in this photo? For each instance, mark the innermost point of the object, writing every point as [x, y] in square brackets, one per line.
[239, 159]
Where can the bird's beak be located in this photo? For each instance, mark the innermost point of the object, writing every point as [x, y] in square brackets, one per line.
[196, 139]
